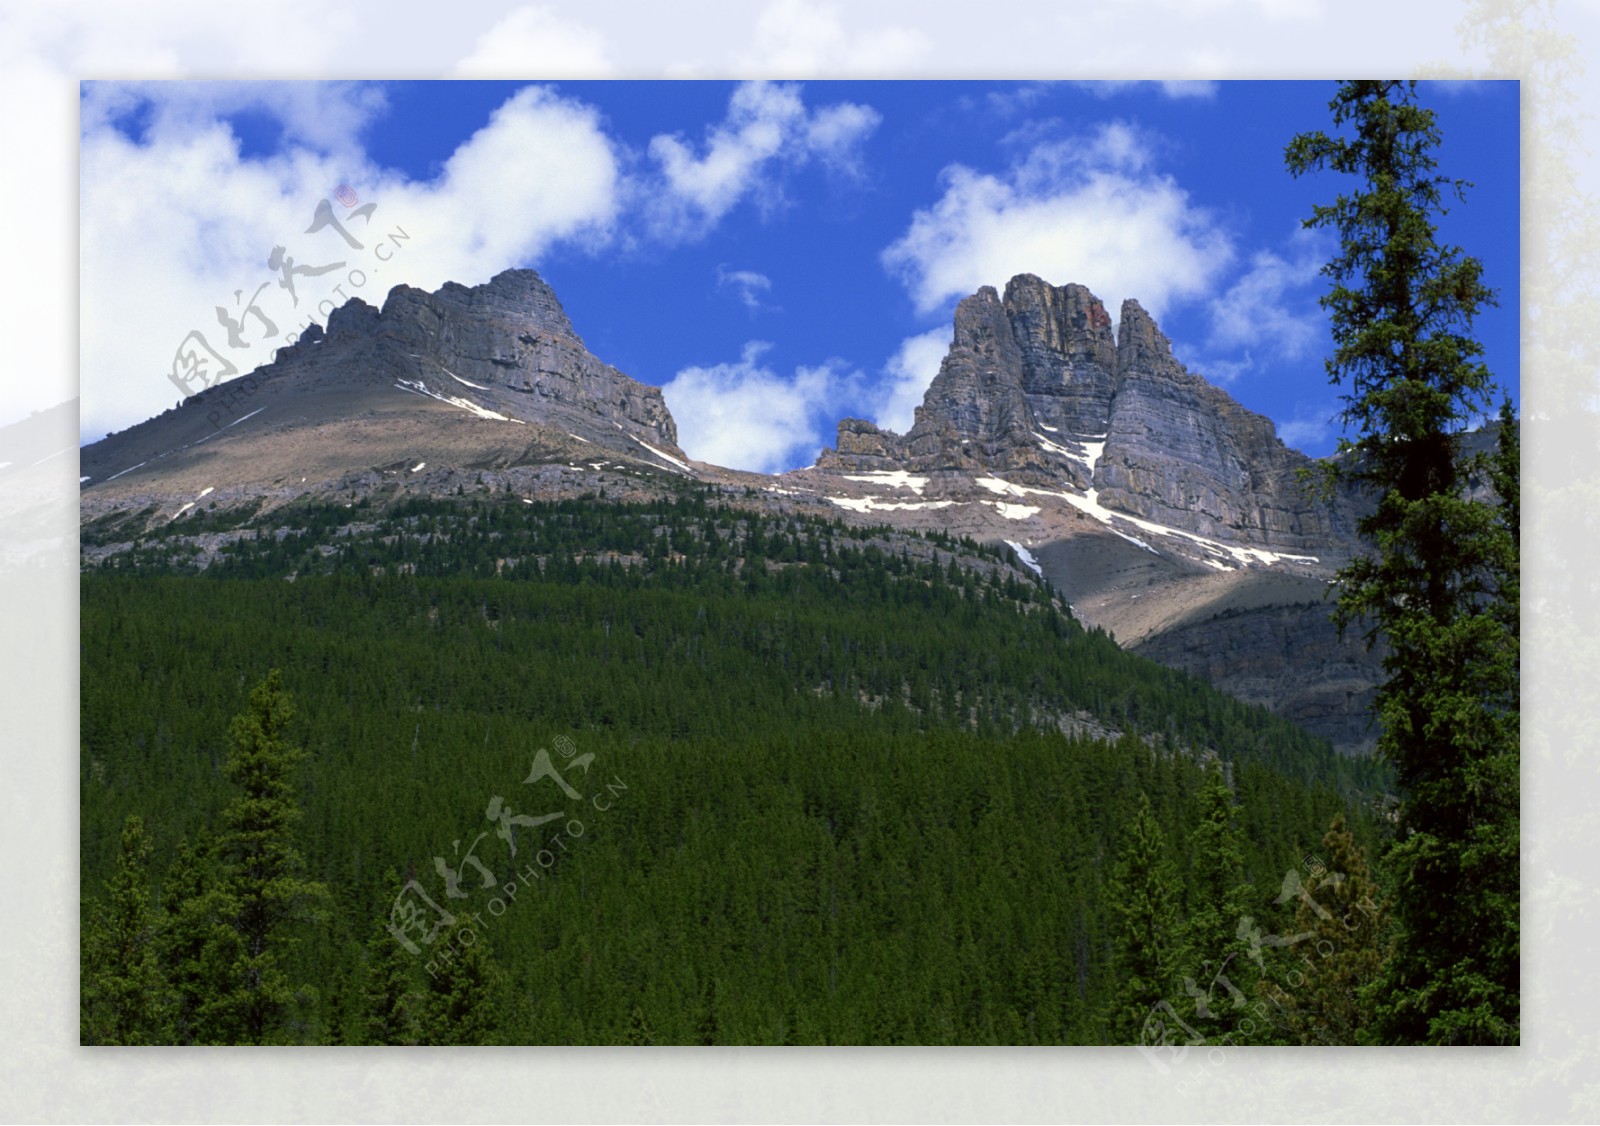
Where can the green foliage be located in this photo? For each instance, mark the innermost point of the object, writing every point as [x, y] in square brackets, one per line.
[1440, 583]
[123, 996]
[263, 892]
[391, 1000]
[829, 799]
[1324, 984]
[1217, 981]
[464, 987]
[191, 939]
[1144, 895]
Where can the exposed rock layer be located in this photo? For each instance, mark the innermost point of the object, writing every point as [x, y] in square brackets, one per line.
[1035, 384]
[510, 337]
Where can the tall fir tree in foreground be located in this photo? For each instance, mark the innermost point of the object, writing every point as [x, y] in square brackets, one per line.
[461, 1004]
[1326, 980]
[392, 1002]
[1144, 895]
[1435, 584]
[1218, 977]
[123, 996]
[192, 944]
[263, 895]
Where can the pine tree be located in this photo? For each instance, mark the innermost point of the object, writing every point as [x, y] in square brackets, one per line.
[262, 894]
[1218, 977]
[1144, 893]
[391, 998]
[194, 945]
[123, 998]
[392, 1001]
[639, 1029]
[462, 1001]
[1434, 587]
[1328, 974]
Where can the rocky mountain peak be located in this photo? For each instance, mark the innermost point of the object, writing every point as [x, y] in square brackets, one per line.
[491, 375]
[1139, 341]
[507, 346]
[512, 296]
[1036, 386]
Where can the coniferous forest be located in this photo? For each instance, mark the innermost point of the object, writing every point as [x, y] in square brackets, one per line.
[479, 770]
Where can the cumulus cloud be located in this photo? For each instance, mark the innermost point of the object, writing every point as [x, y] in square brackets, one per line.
[1091, 210]
[1268, 318]
[768, 129]
[1172, 89]
[747, 285]
[177, 225]
[1310, 431]
[907, 375]
[744, 415]
[537, 40]
[797, 37]
[1271, 306]
[325, 116]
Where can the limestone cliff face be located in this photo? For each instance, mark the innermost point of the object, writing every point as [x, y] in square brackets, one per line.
[1069, 357]
[1289, 658]
[506, 345]
[1182, 452]
[1035, 382]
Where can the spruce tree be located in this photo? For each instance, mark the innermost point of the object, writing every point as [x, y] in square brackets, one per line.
[1218, 978]
[1433, 586]
[391, 998]
[263, 894]
[1144, 892]
[1327, 977]
[195, 947]
[639, 1029]
[123, 998]
[461, 1004]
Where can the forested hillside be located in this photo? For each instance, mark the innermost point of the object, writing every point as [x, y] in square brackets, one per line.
[681, 773]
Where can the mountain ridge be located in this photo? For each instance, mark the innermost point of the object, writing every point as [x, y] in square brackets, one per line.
[1150, 499]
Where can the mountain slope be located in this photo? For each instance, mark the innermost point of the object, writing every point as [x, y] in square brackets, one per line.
[1163, 511]
[462, 378]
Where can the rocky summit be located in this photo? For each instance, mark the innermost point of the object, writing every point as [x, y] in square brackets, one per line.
[1157, 507]
[1166, 512]
[1036, 386]
[489, 376]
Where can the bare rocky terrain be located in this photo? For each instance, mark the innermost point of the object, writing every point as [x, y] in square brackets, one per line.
[1161, 510]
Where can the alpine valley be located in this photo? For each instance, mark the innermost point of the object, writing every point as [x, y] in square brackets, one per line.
[867, 752]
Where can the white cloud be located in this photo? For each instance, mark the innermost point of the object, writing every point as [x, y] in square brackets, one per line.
[908, 372]
[177, 225]
[1189, 89]
[747, 285]
[745, 415]
[1089, 210]
[767, 130]
[325, 116]
[1020, 99]
[1271, 306]
[1268, 317]
[1309, 431]
[799, 38]
[1108, 88]
[537, 41]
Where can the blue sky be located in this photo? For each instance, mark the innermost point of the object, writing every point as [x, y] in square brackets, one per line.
[776, 256]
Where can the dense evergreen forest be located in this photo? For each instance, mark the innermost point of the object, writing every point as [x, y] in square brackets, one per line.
[479, 770]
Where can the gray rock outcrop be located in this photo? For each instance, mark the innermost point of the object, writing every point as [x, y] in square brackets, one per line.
[1034, 381]
[506, 345]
